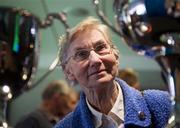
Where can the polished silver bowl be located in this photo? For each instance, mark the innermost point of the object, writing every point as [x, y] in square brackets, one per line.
[150, 27]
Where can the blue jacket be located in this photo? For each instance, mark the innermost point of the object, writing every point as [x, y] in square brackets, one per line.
[140, 110]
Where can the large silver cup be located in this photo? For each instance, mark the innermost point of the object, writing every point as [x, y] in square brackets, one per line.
[19, 51]
[152, 28]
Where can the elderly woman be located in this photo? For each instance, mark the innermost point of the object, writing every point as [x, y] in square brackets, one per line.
[89, 58]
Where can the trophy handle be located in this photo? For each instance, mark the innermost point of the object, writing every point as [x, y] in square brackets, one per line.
[104, 19]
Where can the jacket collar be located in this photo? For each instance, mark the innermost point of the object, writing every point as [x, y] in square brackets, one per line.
[136, 110]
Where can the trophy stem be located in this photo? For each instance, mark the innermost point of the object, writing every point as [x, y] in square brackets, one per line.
[170, 66]
[3, 114]
[177, 98]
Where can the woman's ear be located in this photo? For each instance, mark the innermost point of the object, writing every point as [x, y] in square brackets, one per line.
[68, 72]
[118, 61]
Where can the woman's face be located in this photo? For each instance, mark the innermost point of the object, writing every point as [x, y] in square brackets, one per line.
[91, 68]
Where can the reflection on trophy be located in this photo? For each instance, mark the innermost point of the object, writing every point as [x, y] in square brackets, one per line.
[18, 58]
[19, 51]
[152, 28]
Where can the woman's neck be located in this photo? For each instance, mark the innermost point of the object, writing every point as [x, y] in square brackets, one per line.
[103, 99]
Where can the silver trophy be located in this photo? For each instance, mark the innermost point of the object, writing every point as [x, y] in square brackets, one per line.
[19, 51]
[152, 28]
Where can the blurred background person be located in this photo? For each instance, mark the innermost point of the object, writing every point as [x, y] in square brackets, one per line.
[58, 99]
[130, 76]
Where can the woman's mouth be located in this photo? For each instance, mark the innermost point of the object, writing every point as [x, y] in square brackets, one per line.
[97, 72]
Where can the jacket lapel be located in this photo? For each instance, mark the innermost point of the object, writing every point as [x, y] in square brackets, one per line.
[82, 117]
[136, 110]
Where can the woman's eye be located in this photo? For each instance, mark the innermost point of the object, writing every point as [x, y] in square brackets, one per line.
[100, 47]
[81, 54]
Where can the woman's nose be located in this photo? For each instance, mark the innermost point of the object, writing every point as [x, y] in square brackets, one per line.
[94, 58]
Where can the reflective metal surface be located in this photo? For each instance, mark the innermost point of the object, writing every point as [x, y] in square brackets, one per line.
[19, 46]
[148, 28]
[19, 51]
[152, 28]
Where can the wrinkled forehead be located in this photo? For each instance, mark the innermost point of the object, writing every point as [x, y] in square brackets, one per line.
[88, 38]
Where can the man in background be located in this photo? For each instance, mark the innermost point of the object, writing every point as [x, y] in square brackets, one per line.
[130, 76]
[58, 99]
